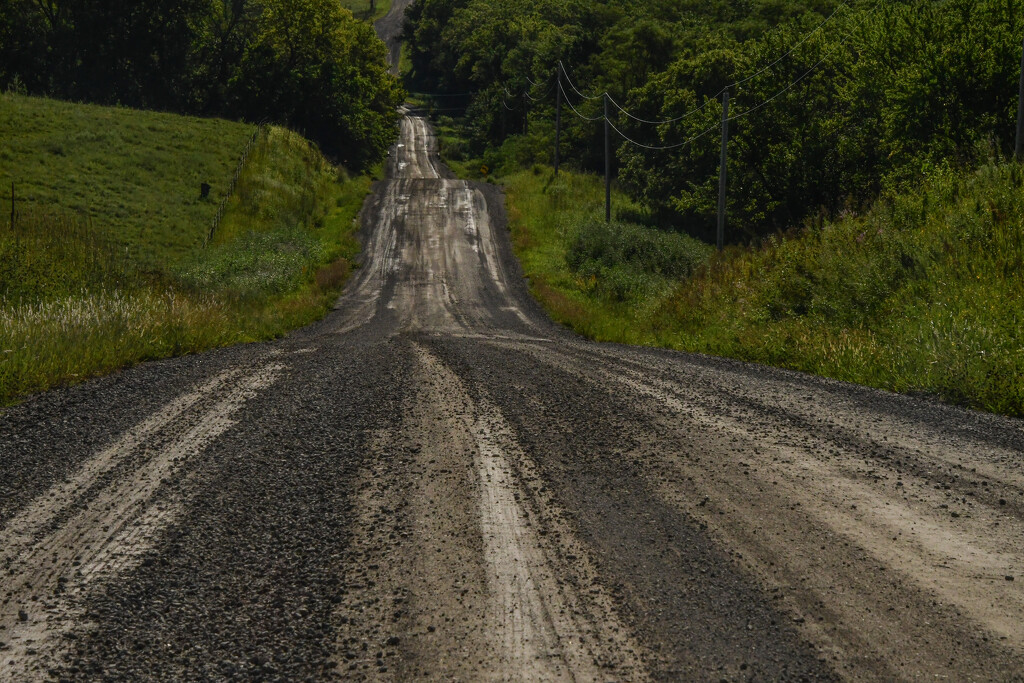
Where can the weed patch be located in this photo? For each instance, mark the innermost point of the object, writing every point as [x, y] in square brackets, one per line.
[922, 294]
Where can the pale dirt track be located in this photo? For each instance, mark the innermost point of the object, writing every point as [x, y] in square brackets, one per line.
[435, 482]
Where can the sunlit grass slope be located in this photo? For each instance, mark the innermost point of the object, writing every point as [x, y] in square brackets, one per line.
[361, 9]
[138, 173]
[106, 264]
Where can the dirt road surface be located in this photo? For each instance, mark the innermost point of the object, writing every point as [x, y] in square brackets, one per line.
[437, 483]
[389, 28]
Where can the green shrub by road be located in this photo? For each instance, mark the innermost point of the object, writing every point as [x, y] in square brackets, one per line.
[922, 294]
[106, 264]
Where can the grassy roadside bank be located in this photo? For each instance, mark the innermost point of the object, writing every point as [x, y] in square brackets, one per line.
[922, 294]
[105, 265]
[367, 11]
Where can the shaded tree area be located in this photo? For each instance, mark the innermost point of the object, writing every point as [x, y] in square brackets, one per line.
[307, 64]
[868, 94]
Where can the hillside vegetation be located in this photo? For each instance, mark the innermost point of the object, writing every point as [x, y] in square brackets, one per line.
[922, 294]
[105, 263]
[367, 10]
[874, 220]
[864, 95]
[306, 64]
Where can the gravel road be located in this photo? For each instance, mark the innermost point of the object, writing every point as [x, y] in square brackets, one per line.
[436, 482]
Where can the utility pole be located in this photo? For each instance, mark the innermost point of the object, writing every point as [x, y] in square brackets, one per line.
[607, 165]
[1019, 151]
[526, 113]
[558, 117]
[721, 177]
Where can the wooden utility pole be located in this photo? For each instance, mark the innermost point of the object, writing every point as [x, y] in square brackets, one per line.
[558, 117]
[607, 165]
[526, 113]
[721, 176]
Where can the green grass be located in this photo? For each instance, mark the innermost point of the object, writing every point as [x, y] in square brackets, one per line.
[86, 291]
[361, 9]
[587, 274]
[923, 294]
[137, 172]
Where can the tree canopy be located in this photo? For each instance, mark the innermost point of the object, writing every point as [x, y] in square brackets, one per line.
[304, 63]
[864, 94]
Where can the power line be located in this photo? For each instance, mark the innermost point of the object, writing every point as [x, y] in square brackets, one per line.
[791, 50]
[551, 89]
[735, 84]
[571, 85]
[575, 111]
[666, 121]
[814, 68]
[663, 147]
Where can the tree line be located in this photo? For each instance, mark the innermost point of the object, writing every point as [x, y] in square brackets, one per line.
[869, 94]
[307, 64]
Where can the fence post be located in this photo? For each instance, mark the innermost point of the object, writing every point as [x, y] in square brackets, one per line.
[607, 165]
[558, 117]
[12, 206]
[721, 177]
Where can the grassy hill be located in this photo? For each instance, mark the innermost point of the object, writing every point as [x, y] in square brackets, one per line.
[105, 264]
[361, 9]
[136, 173]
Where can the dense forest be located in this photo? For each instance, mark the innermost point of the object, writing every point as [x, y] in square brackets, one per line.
[859, 98]
[307, 64]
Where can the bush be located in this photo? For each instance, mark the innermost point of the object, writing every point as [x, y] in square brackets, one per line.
[626, 260]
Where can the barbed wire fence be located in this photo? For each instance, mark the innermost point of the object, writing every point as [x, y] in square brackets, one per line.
[219, 216]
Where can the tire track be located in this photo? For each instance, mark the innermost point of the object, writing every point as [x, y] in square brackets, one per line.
[50, 568]
[765, 482]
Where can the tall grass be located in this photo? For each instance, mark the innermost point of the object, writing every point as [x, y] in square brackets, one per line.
[46, 253]
[602, 281]
[76, 300]
[922, 294]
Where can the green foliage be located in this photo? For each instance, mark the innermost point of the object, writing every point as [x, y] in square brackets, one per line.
[48, 255]
[920, 294]
[625, 261]
[308, 64]
[135, 175]
[367, 10]
[864, 105]
[890, 93]
[86, 293]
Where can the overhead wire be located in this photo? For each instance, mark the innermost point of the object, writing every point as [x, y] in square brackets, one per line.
[792, 49]
[807, 73]
[707, 101]
[660, 148]
[573, 86]
[576, 111]
[734, 84]
[666, 121]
